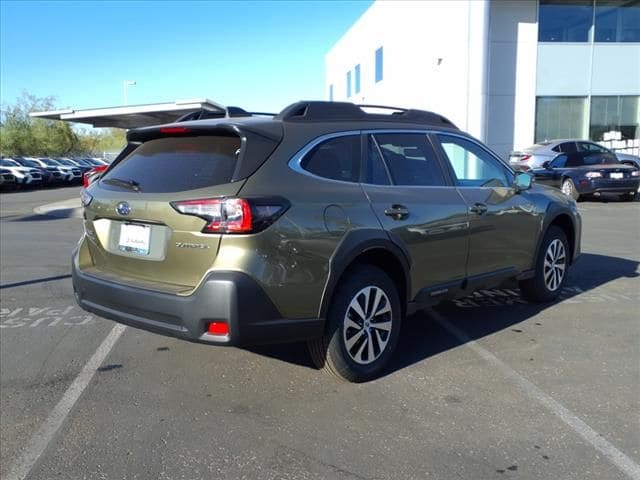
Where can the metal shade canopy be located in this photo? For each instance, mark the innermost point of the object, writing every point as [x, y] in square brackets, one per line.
[133, 116]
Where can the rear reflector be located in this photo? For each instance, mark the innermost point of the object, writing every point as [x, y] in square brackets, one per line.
[218, 328]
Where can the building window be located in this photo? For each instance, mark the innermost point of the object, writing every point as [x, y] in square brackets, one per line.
[331, 92]
[617, 21]
[379, 64]
[616, 117]
[560, 117]
[357, 79]
[348, 83]
[565, 20]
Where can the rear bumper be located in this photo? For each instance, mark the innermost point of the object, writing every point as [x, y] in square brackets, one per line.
[231, 297]
[608, 186]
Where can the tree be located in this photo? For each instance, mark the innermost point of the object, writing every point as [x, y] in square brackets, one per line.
[21, 134]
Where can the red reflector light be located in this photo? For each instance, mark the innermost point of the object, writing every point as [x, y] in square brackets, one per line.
[218, 328]
[525, 157]
[174, 130]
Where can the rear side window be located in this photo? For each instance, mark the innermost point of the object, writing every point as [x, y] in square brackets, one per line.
[376, 172]
[166, 165]
[336, 159]
[591, 147]
[410, 159]
[568, 147]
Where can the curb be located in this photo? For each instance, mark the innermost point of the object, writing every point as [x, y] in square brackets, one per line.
[71, 208]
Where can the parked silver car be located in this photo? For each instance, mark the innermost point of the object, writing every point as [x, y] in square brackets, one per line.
[535, 155]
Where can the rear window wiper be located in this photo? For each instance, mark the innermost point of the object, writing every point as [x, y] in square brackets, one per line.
[130, 184]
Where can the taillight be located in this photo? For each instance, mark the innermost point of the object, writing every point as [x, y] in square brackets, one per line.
[524, 158]
[593, 175]
[92, 175]
[234, 215]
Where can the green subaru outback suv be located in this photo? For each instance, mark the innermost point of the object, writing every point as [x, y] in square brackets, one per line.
[325, 223]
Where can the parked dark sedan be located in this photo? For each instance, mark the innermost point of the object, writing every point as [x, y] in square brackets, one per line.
[586, 173]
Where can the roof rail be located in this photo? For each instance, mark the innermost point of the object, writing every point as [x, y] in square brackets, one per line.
[228, 112]
[315, 111]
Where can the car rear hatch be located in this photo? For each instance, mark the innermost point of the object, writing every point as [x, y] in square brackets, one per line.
[143, 226]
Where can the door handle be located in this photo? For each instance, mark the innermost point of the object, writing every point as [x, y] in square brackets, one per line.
[478, 208]
[397, 212]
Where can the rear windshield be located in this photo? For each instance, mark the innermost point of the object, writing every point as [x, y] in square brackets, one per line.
[173, 164]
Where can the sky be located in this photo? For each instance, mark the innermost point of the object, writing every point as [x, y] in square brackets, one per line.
[259, 55]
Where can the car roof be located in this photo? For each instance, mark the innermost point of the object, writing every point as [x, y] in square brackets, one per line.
[321, 117]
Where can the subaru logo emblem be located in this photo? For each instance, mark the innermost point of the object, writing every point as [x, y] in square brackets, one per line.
[123, 209]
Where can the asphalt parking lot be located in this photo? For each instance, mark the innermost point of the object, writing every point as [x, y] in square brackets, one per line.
[487, 387]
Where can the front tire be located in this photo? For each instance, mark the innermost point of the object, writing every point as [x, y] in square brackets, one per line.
[363, 325]
[569, 189]
[551, 268]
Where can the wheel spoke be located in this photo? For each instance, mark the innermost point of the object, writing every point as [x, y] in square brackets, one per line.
[376, 302]
[381, 343]
[367, 295]
[349, 343]
[356, 307]
[358, 355]
[370, 354]
[386, 326]
[348, 323]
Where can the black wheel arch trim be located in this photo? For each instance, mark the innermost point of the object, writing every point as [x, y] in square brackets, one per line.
[355, 243]
[554, 211]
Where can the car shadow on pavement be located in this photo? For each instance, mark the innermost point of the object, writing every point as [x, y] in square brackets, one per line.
[483, 313]
[57, 214]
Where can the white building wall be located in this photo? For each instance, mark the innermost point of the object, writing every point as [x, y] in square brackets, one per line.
[513, 41]
[434, 58]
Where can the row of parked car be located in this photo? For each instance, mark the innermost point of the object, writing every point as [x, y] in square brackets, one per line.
[23, 172]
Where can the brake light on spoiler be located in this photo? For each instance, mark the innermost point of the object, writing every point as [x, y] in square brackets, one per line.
[234, 215]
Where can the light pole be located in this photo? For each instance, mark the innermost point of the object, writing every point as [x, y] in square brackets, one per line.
[125, 86]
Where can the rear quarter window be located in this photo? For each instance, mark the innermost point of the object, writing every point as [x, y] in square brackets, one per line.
[336, 159]
[167, 165]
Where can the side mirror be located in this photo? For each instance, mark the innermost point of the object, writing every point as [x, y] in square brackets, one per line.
[522, 181]
[547, 165]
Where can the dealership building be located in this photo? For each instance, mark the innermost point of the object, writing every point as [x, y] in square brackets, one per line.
[510, 72]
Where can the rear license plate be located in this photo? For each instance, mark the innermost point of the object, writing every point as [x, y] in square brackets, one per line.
[134, 238]
[616, 175]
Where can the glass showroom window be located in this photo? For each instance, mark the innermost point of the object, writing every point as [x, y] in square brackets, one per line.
[617, 21]
[565, 20]
[560, 117]
[331, 92]
[357, 79]
[615, 117]
[348, 83]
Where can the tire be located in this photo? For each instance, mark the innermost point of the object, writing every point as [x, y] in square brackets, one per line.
[359, 350]
[569, 189]
[551, 268]
[628, 197]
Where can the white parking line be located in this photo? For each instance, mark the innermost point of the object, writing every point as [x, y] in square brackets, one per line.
[619, 459]
[39, 442]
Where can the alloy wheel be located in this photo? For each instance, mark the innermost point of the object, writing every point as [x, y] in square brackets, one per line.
[555, 262]
[367, 325]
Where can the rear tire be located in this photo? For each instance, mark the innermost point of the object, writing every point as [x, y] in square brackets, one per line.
[551, 268]
[628, 197]
[569, 189]
[363, 325]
